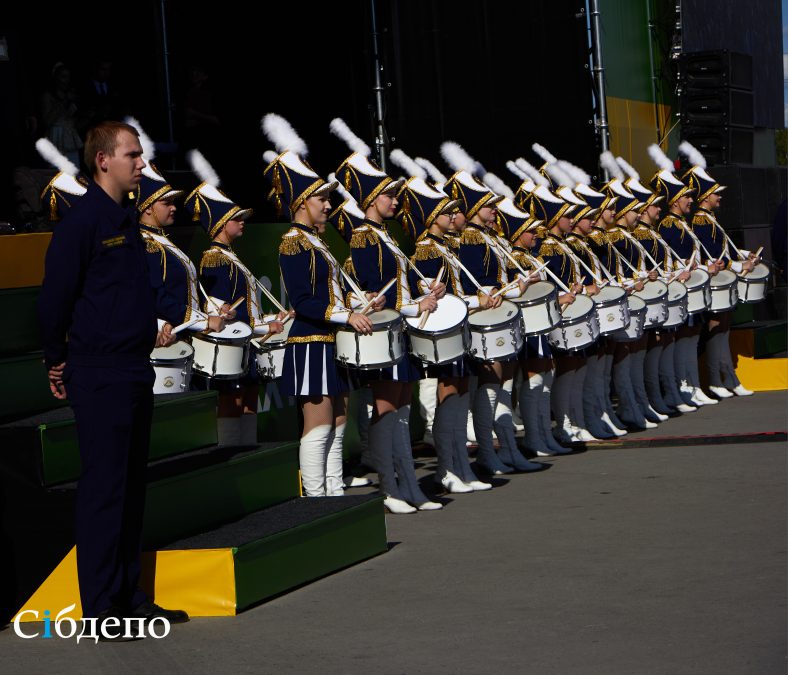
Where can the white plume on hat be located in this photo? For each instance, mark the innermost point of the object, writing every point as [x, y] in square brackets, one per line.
[148, 146]
[51, 154]
[516, 170]
[281, 133]
[431, 169]
[628, 168]
[577, 174]
[269, 156]
[342, 131]
[497, 185]
[559, 176]
[455, 156]
[608, 162]
[544, 153]
[693, 154]
[405, 163]
[660, 158]
[532, 172]
[202, 167]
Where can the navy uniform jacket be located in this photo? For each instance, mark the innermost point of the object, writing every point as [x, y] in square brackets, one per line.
[97, 306]
[478, 256]
[558, 261]
[311, 277]
[708, 230]
[376, 262]
[674, 231]
[434, 252]
[171, 274]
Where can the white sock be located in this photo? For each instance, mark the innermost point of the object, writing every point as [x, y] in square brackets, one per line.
[428, 400]
[335, 484]
[312, 460]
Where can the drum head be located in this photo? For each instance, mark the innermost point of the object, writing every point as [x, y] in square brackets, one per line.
[723, 278]
[234, 330]
[451, 312]
[280, 337]
[676, 291]
[635, 303]
[698, 277]
[384, 316]
[653, 290]
[580, 307]
[610, 293]
[760, 271]
[175, 351]
[538, 290]
[494, 317]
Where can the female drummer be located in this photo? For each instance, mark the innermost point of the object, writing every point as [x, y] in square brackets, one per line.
[723, 382]
[429, 215]
[227, 282]
[312, 280]
[481, 255]
[376, 261]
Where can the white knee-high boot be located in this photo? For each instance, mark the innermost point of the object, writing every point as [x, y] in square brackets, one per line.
[335, 484]
[504, 429]
[312, 452]
[484, 405]
[428, 400]
[545, 409]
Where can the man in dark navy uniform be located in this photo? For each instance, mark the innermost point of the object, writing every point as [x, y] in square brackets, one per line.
[97, 313]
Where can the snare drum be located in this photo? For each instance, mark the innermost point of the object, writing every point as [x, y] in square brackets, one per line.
[579, 326]
[698, 291]
[496, 334]
[539, 307]
[752, 286]
[612, 310]
[655, 295]
[173, 367]
[444, 337]
[724, 292]
[383, 348]
[270, 355]
[223, 355]
[677, 304]
[637, 321]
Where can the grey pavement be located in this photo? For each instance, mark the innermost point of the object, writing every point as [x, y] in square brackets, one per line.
[637, 560]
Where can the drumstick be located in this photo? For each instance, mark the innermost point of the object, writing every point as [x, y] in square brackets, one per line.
[757, 254]
[208, 298]
[365, 309]
[557, 281]
[263, 338]
[237, 302]
[270, 296]
[353, 285]
[425, 314]
[185, 325]
[456, 260]
[505, 289]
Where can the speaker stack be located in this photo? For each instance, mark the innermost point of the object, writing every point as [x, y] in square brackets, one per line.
[716, 105]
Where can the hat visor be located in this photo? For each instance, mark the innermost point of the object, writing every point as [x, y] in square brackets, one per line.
[243, 214]
[720, 188]
[451, 206]
[395, 185]
[172, 194]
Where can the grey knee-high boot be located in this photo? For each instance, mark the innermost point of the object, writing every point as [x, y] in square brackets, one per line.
[381, 454]
[484, 405]
[462, 464]
[403, 460]
[628, 410]
[545, 420]
[651, 379]
[504, 429]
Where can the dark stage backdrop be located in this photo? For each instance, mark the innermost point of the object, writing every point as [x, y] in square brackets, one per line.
[493, 76]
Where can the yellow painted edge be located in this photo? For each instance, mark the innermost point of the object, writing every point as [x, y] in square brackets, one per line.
[22, 259]
[60, 590]
[762, 374]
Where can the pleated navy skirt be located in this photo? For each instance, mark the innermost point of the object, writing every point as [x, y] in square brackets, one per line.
[311, 369]
[536, 347]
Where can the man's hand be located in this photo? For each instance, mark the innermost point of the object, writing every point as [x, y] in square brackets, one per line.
[438, 289]
[592, 289]
[566, 298]
[215, 324]
[378, 304]
[489, 302]
[275, 327]
[748, 265]
[575, 289]
[226, 312]
[165, 338]
[361, 324]
[56, 385]
[686, 274]
[428, 304]
[638, 285]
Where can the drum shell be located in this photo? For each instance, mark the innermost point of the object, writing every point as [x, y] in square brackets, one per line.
[436, 347]
[221, 358]
[383, 348]
[501, 340]
[540, 315]
[612, 310]
[270, 354]
[752, 289]
[724, 291]
[173, 375]
[677, 306]
[578, 332]
[656, 303]
[637, 321]
[698, 292]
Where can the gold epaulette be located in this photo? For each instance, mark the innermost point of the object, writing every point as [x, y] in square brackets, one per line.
[614, 235]
[701, 218]
[363, 237]
[641, 233]
[550, 248]
[452, 241]
[574, 243]
[470, 235]
[597, 237]
[152, 246]
[213, 258]
[426, 252]
[670, 221]
[293, 244]
[348, 267]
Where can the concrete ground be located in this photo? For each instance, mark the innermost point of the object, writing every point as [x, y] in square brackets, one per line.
[637, 560]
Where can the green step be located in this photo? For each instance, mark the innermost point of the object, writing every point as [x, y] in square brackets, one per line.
[769, 337]
[45, 448]
[289, 545]
[233, 483]
[20, 335]
[25, 389]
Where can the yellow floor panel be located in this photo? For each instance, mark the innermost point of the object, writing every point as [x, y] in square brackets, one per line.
[762, 374]
[200, 581]
[22, 259]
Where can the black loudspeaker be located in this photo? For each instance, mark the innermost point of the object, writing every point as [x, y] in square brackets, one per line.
[721, 144]
[717, 107]
[752, 197]
[714, 69]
